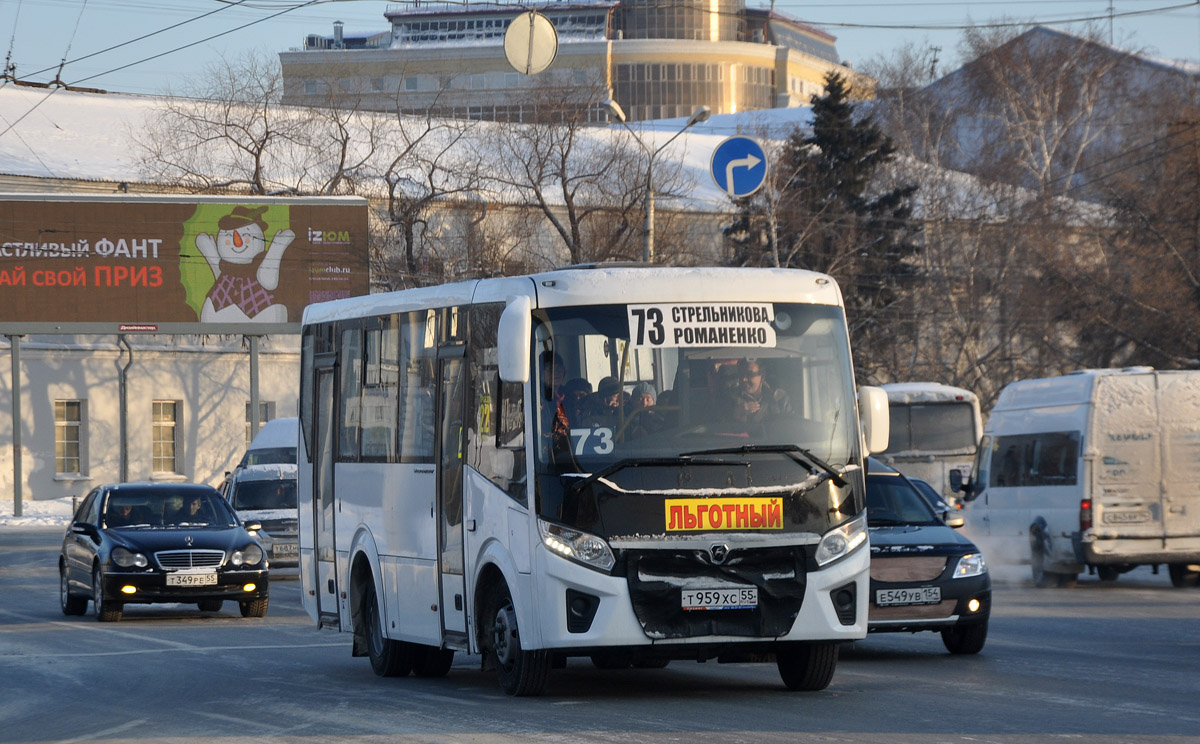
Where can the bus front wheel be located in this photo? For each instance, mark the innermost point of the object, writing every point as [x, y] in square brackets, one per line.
[521, 673]
[807, 667]
[388, 658]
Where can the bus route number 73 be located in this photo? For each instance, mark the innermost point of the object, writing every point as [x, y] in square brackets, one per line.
[648, 324]
[598, 441]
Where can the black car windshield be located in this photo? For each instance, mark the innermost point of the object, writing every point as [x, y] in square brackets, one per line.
[147, 508]
[891, 500]
[264, 494]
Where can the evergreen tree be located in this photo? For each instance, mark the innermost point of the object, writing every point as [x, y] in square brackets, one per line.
[837, 216]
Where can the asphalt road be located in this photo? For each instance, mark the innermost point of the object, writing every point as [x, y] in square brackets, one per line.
[1102, 662]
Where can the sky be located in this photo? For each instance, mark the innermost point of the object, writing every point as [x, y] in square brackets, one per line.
[156, 46]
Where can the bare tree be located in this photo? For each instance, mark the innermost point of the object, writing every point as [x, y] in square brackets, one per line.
[229, 132]
[232, 132]
[429, 167]
[587, 185]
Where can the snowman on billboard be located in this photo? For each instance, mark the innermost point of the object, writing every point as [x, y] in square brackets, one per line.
[246, 270]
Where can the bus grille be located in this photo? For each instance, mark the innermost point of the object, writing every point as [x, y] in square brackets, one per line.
[190, 558]
[655, 578]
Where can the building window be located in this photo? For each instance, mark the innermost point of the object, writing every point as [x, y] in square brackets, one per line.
[266, 412]
[310, 87]
[68, 437]
[165, 418]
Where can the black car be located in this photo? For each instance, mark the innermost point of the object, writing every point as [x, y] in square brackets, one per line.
[935, 500]
[924, 575]
[148, 543]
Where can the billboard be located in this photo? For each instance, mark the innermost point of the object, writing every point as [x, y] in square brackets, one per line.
[175, 264]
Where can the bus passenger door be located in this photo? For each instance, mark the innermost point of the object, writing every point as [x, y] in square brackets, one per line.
[451, 407]
[324, 549]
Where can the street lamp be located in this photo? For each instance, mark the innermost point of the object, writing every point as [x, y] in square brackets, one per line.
[700, 114]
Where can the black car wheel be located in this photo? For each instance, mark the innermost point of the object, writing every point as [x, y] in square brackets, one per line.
[252, 607]
[212, 605]
[389, 658]
[806, 667]
[71, 605]
[521, 673]
[106, 611]
[965, 639]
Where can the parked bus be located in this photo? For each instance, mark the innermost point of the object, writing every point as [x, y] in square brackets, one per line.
[472, 477]
[935, 428]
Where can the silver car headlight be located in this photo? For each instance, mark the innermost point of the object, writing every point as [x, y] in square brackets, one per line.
[971, 564]
[578, 546]
[842, 541]
[251, 555]
[128, 559]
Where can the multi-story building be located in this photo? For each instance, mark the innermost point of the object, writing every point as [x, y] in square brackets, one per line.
[657, 58]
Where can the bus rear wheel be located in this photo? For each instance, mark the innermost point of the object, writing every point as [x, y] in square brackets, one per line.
[806, 667]
[521, 673]
[388, 658]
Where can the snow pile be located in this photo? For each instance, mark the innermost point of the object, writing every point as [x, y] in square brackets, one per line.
[53, 514]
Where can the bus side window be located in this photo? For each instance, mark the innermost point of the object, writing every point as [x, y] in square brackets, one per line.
[497, 436]
[417, 356]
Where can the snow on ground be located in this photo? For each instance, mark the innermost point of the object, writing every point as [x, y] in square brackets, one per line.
[50, 514]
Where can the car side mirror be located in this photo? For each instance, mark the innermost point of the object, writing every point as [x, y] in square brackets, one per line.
[956, 480]
[253, 527]
[953, 519]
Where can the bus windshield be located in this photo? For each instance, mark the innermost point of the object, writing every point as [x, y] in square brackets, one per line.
[932, 427]
[780, 402]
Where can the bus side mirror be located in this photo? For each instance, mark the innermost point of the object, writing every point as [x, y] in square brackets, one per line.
[956, 481]
[513, 339]
[876, 424]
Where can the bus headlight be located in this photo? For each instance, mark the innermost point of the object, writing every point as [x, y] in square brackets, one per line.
[971, 564]
[841, 541]
[578, 546]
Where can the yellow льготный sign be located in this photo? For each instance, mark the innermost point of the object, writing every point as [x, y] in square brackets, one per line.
[745, 513]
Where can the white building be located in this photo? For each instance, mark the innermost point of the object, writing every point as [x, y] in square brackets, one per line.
[187, 408]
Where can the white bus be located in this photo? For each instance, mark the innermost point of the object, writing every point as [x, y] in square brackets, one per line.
[935, 428]
[461, 490]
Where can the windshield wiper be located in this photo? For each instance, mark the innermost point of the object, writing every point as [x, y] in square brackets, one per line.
[634, 462]
[806, 458]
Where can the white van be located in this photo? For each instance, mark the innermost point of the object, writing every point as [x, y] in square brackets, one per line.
[1098, 469]
[274, 444]
[266, 494]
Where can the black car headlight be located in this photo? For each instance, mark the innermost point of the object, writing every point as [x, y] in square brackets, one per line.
[251, 555]
[971, 564]
[128, 559]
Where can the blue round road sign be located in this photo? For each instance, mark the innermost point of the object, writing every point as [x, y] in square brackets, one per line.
[739, 166]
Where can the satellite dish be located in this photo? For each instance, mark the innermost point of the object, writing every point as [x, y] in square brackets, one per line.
[530, 43]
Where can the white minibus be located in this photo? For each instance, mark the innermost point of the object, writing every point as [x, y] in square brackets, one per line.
[636, 465]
